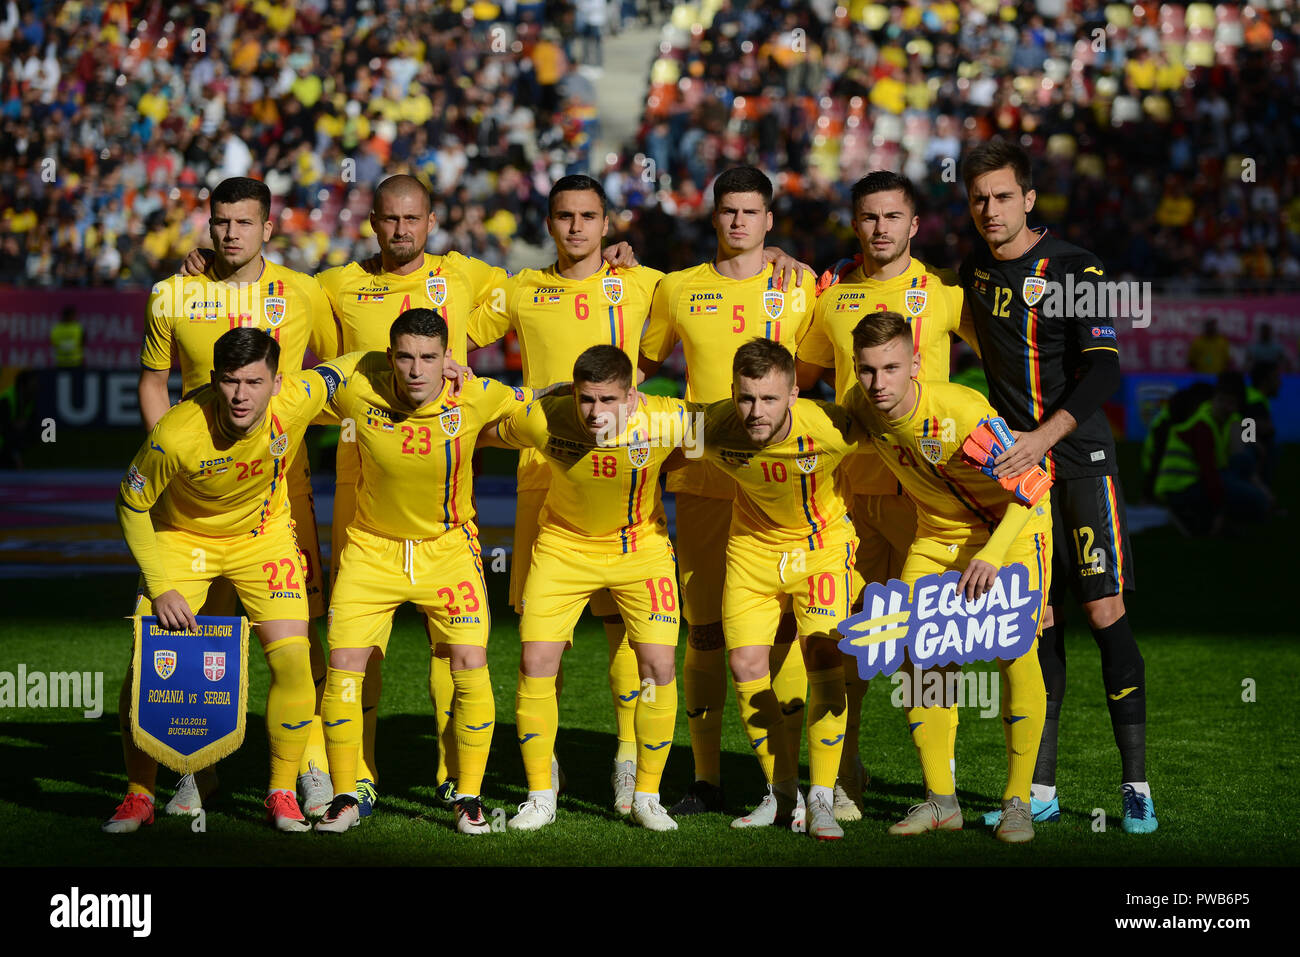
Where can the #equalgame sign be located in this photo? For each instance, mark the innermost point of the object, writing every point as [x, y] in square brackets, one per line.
[189, 691]
[935, 625]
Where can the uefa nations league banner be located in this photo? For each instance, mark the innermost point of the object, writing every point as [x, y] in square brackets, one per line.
[190, 691]
[939, 626]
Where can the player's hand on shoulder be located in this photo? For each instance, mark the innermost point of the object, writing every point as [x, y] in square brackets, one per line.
[977, 579]
[457, 373]
[173, 612]
[787, 270]
[621, 256]
[197, 261]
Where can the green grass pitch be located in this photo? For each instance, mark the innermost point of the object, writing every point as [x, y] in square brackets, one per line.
[1210, 617]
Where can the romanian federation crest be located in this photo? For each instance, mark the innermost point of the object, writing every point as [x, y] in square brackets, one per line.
[773, 303]
[450, 422]
[273, 308]
[436, 286]
[613, 287]
[638, 454]
[914, 300]
[280, 445]
[932, 449]
[806, 463]
[1033, 290]
[164, 663]
[214, 665]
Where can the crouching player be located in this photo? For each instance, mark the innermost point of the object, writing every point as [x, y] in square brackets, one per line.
[413, 539]
[965, 520]
[210, 480]
[602, 526]
[792, 547]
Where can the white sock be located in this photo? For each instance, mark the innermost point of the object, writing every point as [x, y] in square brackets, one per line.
[1042, 792]
[952, 766]
[825, 793]
[1141, 787]
[547, 796]
[644, 796]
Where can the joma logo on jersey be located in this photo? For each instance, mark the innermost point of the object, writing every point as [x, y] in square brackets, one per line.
[773, 303]
[914, 300]
[164, 663]
[638, 454]
[544, 290]
[738, 459]
[613, 287]
[704, 296]
[450, 422]
[1032, 290]
[436, 287]
[273, 307]
[209, 463]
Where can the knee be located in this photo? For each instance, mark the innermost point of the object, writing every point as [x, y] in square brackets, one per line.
[349, 659]
[749, 663]
[467, 657]
[1104, 612]
[540, 659]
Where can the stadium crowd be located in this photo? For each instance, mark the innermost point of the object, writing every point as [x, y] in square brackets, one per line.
[1164, 135]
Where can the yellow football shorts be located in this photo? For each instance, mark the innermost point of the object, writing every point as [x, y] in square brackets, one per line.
[643, 585]
[443, 577]
[703, 525]
[267, 570]
[528, 506]
[886, 526]
[1032, 548]
[303, 511]
[762, 583]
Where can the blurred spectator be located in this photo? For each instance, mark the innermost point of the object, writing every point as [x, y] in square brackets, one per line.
[68, 339]
[1208, 353]
[1265, 351]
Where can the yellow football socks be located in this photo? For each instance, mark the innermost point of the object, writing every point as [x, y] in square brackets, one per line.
[1024, 711]
[367, 764]
[761, 714]
[537, 719]
[704, 680]
[289, 706]
[827, 719]
[930, 729]
[475, 712]
[656, 714]
[341, 713]
[624, 687]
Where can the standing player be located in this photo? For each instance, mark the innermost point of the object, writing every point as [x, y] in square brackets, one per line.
[413, 539]
[713, 309]
[884, 278]
[240, 288]
[1049, 377]
[558, 312]
[211, 476]
[966, 521]
[602, 527]
[790, 547]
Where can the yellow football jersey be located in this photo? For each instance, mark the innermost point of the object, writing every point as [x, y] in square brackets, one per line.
[954, 501]
[415, 465]
[786, 494]
[191, 475]
[932, 308]
[192, 313]
[713, 316]
[556, 320]
[603, 497]
[366, 300]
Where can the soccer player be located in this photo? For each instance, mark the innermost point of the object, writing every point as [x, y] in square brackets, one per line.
[713, 309]
[1049, 375]
[186, 315]
[557, 313]
[790, 547]
[602, 526]
[211, 477]
[884, 277]
[413, 539]
[965, 520]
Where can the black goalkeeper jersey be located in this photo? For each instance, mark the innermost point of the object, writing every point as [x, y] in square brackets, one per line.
[1032, 339]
